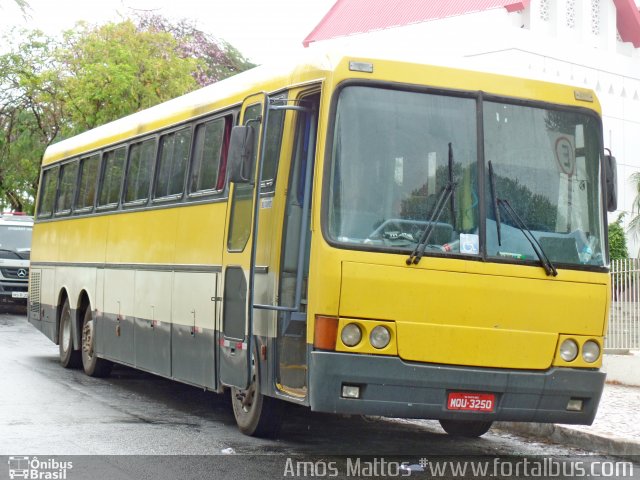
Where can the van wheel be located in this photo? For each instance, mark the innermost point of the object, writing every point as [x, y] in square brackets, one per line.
[257, 415]
[69, 358]
[465, 428]
[93, 366]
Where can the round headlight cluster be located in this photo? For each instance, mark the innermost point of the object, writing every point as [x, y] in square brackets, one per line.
[380, 337]
[569, 350]
[351, 335]
[590, 350]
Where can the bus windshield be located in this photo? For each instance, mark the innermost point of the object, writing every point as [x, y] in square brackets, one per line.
[403, 161]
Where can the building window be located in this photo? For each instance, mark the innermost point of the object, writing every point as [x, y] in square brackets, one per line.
[571, 13]
[595, 17]
[544, 10]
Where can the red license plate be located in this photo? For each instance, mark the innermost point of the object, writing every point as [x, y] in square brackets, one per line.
[471, 402]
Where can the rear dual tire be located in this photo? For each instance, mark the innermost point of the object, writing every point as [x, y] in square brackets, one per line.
[92, 365]
[69, 358]
[86, 356]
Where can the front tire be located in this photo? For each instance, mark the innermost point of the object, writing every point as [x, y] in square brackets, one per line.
[93, 366]
[465, 428]
[69, 358]
[257, 415]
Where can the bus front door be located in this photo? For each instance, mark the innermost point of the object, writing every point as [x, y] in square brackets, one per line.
[235, 367]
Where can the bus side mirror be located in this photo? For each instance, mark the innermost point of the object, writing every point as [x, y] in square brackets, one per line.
[611, 182]
[240, 157]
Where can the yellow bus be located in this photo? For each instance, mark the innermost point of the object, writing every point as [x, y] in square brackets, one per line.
[355, 235]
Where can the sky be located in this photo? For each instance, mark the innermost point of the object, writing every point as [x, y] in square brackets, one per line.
[263, 30]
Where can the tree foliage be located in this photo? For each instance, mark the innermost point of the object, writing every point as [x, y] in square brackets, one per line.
[217, 59]
[52, 88]
[617, 240]
[634, 224]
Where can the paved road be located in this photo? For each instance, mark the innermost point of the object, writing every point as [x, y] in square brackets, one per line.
[51, 412]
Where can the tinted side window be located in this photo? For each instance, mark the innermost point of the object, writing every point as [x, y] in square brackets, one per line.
[48, 191]
[68, 178]
[211, 142]
[273, 142]
[242, 200]
[88, 179]
[141, 157]
[174, 157]
[113, 167]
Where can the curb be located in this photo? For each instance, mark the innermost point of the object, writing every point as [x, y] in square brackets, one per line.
[566, 435]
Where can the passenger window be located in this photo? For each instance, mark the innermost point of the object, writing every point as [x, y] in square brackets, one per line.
[174, 156]
[113, 168]
[87, 184]
[141, 157]
[48, 192]
[209, 155]
[68, 178]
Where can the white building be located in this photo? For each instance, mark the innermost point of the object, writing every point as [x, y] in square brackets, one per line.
[589, 43]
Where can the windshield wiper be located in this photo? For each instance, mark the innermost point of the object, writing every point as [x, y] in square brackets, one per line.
[445, 195]
[494, 199]
[12, 251]
[544, 260]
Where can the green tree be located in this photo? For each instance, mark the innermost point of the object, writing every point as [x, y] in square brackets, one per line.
[217, 59]
[617, 240]
[114, 70]
[53, 88]
[634, 224]
[30, 116]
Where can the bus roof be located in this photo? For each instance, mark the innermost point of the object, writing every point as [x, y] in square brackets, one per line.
[219, 95]
[312, 66]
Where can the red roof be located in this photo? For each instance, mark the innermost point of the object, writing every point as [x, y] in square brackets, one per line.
[628, 18]
[347, 17]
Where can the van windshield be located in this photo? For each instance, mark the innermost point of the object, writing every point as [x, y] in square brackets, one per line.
[16, 238]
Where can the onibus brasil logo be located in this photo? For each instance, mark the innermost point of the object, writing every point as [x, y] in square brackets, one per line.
[34, 468]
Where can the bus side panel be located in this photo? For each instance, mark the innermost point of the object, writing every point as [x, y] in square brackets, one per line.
[116, 321]
[193, 334]
[152, 331]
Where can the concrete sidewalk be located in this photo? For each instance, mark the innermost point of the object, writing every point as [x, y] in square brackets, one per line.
[616, 429]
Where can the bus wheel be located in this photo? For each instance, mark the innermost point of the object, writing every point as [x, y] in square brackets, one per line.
[93, 366]
[69, 358]
[465, 428]
[257, 415]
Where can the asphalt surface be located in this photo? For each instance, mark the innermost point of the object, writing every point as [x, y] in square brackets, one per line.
[137, 425]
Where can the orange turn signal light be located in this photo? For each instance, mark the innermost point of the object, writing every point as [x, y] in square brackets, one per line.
[325, 333]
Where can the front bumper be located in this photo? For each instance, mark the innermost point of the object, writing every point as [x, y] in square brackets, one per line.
[13, 295]
[394, 388]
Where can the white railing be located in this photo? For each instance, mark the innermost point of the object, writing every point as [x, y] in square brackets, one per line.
[624, 318]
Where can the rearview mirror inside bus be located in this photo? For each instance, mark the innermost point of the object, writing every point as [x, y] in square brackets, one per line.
[611, 181]
[241, 154]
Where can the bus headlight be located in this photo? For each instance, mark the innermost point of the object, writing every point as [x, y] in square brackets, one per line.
[380, 337]
[351, 335]
[569, 350]
[590, 351]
